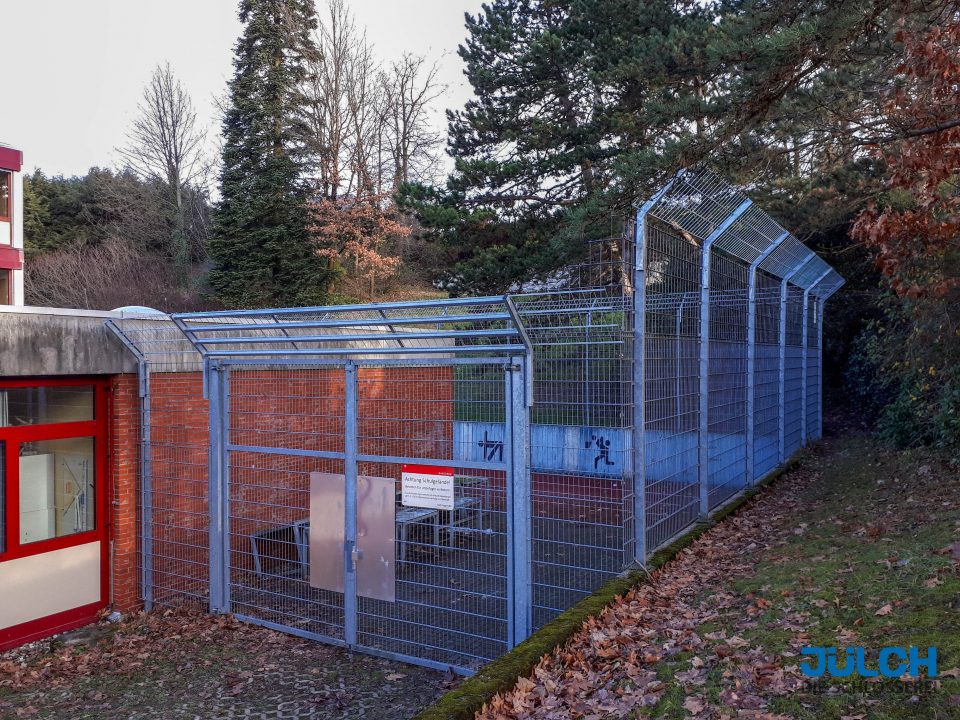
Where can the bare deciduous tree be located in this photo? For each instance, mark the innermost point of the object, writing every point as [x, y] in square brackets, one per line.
[369, 130]
[369, 126]
[411, 87]
[108, 275]
[166, 144]
[339, 47]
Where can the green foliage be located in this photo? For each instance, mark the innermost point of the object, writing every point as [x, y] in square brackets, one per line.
[260, 246]
[905, 373]
[865, 377]
[59, 211]
[67, 212]
[583, 106]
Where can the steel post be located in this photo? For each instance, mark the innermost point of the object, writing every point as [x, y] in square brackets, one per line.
[350, 430]
[752, 352]
[703, 436]
[804, 360]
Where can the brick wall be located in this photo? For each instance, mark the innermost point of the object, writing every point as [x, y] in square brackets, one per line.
[179, 439]
[124, 435]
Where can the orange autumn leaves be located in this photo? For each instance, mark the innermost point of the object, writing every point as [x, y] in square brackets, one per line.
[917, 236]
[354, 234]
[609, 669]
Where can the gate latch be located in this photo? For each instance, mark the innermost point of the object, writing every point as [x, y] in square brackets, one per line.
[355, 554]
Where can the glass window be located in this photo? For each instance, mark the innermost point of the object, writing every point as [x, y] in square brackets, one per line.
[56, 488]
[4, 287]
[4, 194]
[42, 405]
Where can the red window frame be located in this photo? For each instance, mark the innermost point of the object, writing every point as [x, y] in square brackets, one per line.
[8, 217]
[13, 436]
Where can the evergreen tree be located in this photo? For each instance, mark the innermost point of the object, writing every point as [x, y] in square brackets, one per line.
[583, 106]
[260, 244]
[562, 89]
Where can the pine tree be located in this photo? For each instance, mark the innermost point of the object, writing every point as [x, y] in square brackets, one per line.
[260, 245]
[582, 107]
[564, 89]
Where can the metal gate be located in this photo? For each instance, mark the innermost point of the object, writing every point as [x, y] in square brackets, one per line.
[348, 495]
[318, 537]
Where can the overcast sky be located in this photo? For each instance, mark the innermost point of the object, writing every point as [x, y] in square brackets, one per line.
[76, 68]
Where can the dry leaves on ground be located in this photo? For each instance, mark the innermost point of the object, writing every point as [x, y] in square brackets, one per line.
[125, 647]
[608, 669]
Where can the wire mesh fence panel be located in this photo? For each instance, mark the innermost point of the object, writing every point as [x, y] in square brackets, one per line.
[450, 599]
[727, 382]
[173, 515]
[581, 502]
[179, 444]
[280, 419]
[671, 411]
[766, 388]
[813, 369]
[793, 372]
[431, 480]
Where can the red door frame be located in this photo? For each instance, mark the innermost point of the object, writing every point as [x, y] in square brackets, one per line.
[12, 436]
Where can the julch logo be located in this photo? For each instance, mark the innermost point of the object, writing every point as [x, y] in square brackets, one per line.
[892, 662]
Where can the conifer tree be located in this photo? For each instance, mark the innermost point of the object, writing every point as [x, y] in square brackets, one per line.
[260, 245]
[583, 107]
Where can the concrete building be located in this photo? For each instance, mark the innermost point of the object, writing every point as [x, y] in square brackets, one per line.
[11, 226]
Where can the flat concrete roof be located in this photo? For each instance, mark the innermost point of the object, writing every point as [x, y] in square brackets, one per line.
[38, 341]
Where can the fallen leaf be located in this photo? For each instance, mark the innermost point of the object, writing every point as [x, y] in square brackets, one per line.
[885, 610]
[694, 704]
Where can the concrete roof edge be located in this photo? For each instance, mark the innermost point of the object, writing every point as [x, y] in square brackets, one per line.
[76, 312]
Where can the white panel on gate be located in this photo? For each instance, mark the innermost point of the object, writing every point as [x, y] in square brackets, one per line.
[376, 528]
[327, 517]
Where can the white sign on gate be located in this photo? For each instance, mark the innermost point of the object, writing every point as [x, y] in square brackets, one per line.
[427, 486]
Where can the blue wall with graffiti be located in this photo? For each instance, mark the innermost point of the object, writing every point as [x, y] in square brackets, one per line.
[591, 451]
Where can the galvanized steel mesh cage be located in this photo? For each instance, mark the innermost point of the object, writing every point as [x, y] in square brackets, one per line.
[579, 428]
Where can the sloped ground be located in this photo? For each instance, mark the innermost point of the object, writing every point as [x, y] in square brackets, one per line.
[195, 666]
[857, 547]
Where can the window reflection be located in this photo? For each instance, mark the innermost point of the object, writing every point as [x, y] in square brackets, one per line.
[5, 200]
[56, 488]
[42, 405]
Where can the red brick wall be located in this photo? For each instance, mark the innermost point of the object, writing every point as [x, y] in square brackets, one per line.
[124, 466]
[179, 439]
[402, 412]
